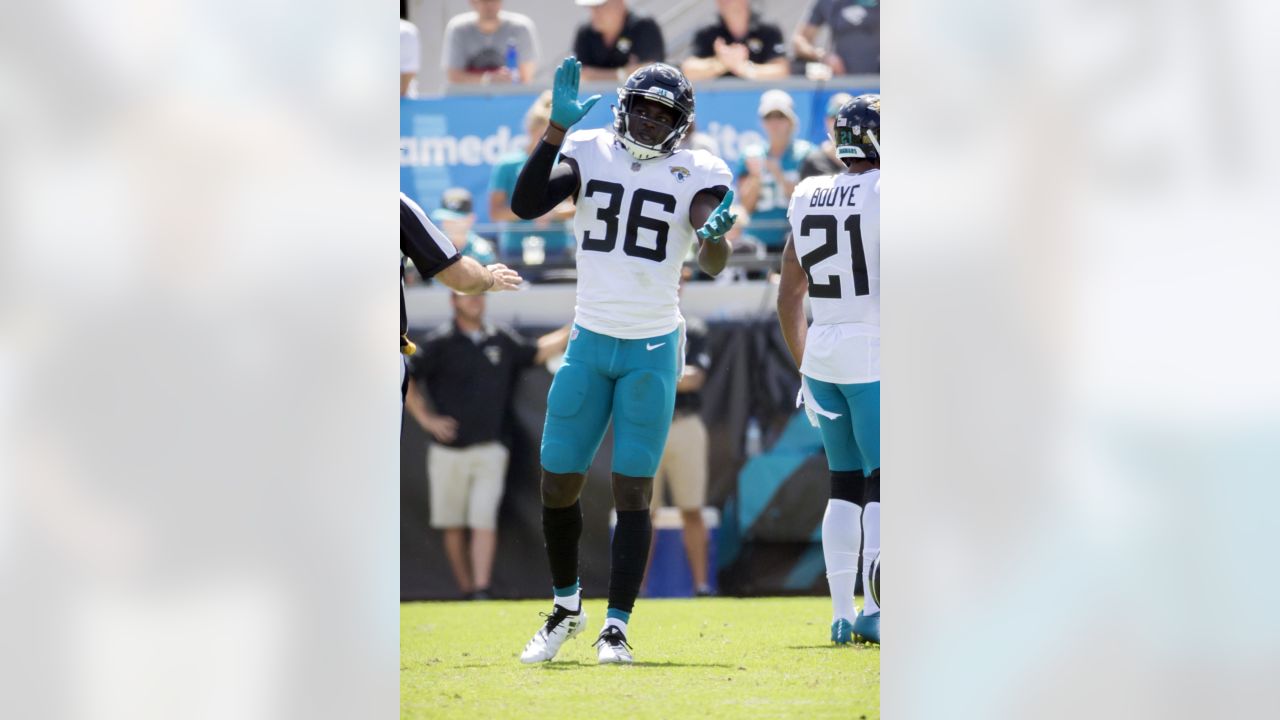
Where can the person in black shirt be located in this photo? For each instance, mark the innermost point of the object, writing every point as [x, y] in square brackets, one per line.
[683, 468]
[434, 255]
[737, 43]
[461, 380]
[616, 41]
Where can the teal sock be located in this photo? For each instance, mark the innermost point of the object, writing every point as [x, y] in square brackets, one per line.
[617, 618]
[568, 597]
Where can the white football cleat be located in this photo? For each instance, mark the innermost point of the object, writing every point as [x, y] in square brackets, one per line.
[613, 646]
[560, 626]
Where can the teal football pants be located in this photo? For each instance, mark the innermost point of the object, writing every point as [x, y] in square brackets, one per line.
[853, 439]
[632, 381]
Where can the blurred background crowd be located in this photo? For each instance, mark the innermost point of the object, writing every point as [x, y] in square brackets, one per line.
[750, 59]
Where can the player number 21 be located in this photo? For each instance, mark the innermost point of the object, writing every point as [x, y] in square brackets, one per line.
[827, 223]
[635, 220]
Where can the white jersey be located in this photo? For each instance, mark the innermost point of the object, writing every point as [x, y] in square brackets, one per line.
[633, 233]
[835, 228]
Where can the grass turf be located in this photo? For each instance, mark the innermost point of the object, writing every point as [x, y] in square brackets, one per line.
[703, 658]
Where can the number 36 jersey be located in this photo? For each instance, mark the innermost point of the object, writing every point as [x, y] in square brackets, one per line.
[835, 228]
[633, 233]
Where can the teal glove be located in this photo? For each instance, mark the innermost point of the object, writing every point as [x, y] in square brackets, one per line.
[565, 108]
[720, 222]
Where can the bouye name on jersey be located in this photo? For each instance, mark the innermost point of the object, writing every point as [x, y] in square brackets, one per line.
[833, 196]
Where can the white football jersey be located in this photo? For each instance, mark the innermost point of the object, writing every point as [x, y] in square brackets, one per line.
[835, 228]
[633, 233]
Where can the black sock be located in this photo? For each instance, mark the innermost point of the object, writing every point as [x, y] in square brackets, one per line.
[630, 553]
[561, 527]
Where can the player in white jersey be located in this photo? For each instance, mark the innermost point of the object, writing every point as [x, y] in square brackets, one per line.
[834, 257]
[641, 205]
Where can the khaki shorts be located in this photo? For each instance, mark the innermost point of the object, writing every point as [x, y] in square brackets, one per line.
[684, 465]
[466, 485]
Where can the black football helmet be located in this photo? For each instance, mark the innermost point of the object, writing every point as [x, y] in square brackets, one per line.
[857, 129]
[659, 83]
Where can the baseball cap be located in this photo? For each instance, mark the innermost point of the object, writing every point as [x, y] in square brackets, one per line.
[777, 101]
[456, 199]
[836, 102]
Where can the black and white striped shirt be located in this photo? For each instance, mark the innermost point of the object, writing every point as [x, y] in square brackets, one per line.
[428, 247]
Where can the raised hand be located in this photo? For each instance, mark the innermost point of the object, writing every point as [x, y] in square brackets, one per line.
[565, 108]
[720, 221]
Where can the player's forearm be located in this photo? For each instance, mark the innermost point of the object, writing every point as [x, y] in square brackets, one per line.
[795, 327]
[539, 189]
[713, 256]
[791, 291]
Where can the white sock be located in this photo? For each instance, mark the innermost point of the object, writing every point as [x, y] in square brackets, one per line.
[572, 603]
[615, 622]
[870, 551]
[841, 533]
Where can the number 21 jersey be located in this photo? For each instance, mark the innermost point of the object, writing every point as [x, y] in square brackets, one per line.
[633, 232]
[835, 228]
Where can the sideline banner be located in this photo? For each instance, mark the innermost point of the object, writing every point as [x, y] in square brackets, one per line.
[455, 141]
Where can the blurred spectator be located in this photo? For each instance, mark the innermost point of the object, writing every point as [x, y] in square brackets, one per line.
[616, 41]
[410, 58]
[683, 468]
[822, 160]
[738, 43]
[490, 45]
[547, 237]
[460, 385]
[855, 35]
[698, 140]
[768, 173]
[456, 218]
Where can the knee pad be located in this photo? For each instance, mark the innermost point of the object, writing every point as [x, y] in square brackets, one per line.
[562, 450]
[645, 403]
[561, 489]
[632, 493]
[848, 485]
[644, 398]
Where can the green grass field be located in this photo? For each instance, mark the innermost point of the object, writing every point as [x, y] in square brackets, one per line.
[703, 658]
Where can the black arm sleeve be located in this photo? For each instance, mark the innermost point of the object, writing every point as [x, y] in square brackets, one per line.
[542, 184]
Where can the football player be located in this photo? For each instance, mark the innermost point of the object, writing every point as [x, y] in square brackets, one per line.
[641, 205]
[834, 257]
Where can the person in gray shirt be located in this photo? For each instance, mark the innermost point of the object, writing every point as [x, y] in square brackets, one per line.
[477, 46]
[855, 36]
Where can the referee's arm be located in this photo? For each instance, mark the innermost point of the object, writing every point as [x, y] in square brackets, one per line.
[435, 256]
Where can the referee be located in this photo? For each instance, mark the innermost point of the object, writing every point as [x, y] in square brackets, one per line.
[435, 256]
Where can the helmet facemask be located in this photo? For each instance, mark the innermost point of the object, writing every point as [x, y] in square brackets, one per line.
[644, 137]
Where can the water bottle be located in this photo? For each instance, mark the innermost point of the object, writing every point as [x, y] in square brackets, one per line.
[513, 61]
[754, 438]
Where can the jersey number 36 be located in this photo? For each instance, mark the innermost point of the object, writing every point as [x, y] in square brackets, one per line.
[830, 288]
[635, 221]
